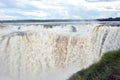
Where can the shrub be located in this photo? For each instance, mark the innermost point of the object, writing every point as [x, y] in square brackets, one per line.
[108, 68]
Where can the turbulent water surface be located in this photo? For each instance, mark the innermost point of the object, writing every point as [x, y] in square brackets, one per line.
[53, 52]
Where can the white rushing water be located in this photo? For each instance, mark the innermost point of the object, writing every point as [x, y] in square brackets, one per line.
[38, 52]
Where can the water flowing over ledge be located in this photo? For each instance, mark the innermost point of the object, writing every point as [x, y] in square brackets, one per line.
[46, 52]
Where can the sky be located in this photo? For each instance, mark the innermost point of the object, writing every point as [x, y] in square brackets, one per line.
[58, 9]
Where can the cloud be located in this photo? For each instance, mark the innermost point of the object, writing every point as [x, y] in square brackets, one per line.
[38, 4]
[34, 13]
[2, 4]
[102, 6]
[69, 9]
[100, 0]
[19, 14]
[5, 17]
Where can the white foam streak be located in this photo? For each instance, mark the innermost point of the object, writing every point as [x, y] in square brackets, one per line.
[37, 52]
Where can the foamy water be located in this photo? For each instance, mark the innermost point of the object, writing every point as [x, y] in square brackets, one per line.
[38, 52]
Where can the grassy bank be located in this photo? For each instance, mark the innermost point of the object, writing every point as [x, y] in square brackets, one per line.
[108, 68]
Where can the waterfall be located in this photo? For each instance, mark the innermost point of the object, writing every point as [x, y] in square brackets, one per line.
[37, 52]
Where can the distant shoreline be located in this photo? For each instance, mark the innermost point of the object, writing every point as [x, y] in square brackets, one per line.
[61, 21]
[51, 20]
[58, 20]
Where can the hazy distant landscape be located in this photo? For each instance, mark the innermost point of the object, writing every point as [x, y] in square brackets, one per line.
[59, 20]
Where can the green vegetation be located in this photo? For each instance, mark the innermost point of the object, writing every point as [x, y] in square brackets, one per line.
[108, 68]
